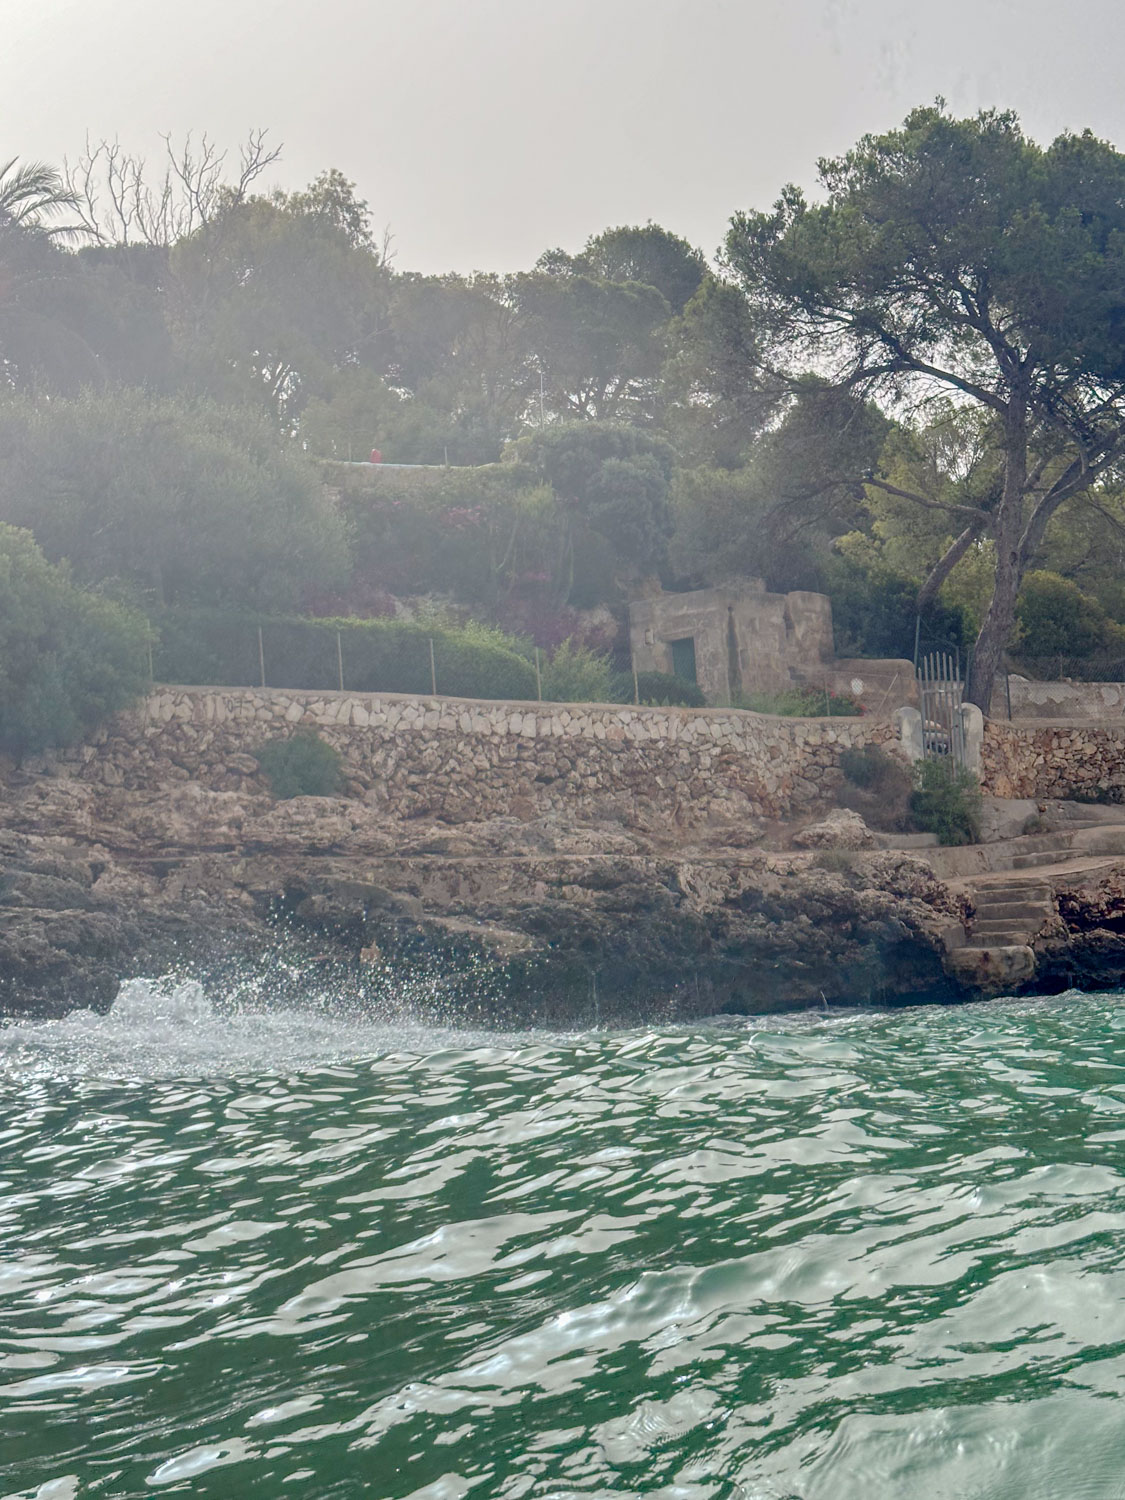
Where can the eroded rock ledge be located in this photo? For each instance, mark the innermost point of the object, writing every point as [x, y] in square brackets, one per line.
[543, 919]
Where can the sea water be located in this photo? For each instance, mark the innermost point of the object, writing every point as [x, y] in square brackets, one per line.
[867, 1255]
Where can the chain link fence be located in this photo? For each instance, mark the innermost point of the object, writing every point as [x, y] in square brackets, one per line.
[364, 656]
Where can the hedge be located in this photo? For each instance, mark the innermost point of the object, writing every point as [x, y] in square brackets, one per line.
[220, 649]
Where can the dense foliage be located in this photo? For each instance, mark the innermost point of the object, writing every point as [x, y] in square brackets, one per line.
[957, 257]
[67, 657]
[575, 674]
[909, 394]
[179, 500]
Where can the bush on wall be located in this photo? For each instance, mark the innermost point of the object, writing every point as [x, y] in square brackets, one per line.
[301, 765]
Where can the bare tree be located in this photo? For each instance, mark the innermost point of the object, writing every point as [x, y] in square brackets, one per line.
[119, 202]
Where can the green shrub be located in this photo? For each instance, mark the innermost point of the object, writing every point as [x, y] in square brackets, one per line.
[861, 766]
[1055, 618]
[300, 765]
[800, 703]
[869, 767]
[220, 648]
[666, 690]
[67, 658]
[575, 674]
[946, 800]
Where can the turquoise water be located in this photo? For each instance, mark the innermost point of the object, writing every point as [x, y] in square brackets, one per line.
[877, 1255]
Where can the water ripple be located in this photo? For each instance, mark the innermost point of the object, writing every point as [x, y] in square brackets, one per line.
[830, 1257]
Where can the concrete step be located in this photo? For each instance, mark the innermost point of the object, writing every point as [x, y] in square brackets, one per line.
[1036, 843]
[1029, 851]
[1084, 814]
[906, 841]
[1009, 911]
[994, 934]
[1032, 860]
[1100, 838]
[1006, 854]
[1011, 888]
[1010, 902]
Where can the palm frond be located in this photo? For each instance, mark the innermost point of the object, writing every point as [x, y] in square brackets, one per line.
[32, 192]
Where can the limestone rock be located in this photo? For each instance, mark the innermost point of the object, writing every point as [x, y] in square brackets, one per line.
[992, 971]
[841, 829]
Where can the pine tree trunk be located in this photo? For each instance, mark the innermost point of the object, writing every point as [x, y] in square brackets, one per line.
[1008, 534]
[994, 634]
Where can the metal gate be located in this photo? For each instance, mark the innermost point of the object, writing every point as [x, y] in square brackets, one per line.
[940, 690]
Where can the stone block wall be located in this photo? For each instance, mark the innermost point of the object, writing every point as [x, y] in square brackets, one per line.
[463, 759]
[1044, 760]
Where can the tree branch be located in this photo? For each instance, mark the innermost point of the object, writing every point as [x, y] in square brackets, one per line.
[947, 506]
[1079, 475]
[947, 562]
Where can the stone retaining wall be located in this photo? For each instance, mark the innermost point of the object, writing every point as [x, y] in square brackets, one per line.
[463, 759]
[1052, 760]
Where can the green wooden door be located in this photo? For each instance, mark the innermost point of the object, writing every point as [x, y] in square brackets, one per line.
[683, 658]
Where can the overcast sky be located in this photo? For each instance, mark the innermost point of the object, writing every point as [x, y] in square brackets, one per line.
[483, 131]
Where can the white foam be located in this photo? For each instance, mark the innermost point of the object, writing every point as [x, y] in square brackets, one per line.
[167, 1028]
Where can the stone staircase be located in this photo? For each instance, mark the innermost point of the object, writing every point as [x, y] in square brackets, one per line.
[1008, 913]
[1010, 885]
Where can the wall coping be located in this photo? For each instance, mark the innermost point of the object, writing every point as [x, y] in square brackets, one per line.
[1071, 726]
[532, 705]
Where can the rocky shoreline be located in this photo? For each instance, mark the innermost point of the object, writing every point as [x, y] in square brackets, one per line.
[540, 919]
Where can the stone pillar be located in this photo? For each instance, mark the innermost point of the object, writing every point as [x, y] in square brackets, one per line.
[908, 722]
[972, 732]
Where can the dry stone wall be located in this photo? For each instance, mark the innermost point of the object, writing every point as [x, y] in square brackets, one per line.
[1053, 760]
[463, 759]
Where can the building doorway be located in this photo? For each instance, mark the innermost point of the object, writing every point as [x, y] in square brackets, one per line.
[683, 658]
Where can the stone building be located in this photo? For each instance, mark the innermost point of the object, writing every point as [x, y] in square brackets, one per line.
[738, 638]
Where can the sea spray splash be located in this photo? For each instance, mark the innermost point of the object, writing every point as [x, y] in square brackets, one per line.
[159, 1028]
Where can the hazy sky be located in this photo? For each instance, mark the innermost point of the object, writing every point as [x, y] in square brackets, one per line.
[484, 131]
